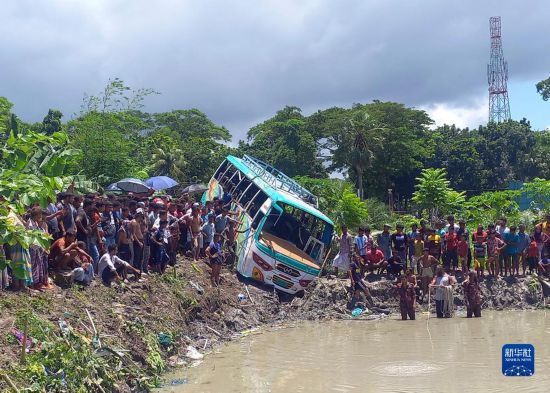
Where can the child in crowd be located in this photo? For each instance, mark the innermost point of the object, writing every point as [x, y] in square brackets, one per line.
[494, 247]
[215, 255]
[208, 230]
[418, 251]
[358, 285]
[480, 256]
[532, 255]
[159, 247]
[462, 250]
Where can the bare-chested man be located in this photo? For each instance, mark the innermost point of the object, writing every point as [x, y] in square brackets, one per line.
[194, 223]
[427, 265]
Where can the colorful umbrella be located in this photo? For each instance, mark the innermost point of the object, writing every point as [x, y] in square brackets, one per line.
[161, 182]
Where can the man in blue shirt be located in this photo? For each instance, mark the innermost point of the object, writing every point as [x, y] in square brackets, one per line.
[384, 241]
[511, 262]
[523, 244]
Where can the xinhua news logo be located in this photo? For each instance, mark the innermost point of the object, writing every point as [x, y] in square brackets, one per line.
[518, 360]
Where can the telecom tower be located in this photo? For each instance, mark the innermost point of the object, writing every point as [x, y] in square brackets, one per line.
[497, 75]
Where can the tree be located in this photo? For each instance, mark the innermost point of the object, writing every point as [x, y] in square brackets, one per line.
[168, 162]
[358, 143]
[434, 195]
[398, 142]
[543, 88]
[191, 123]
[337, 200]
[52, 122]
[204, 155]
[115, 97]
[285, 142]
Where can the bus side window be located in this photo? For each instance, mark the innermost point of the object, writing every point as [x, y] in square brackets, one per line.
[257, 220]
[221, 170]
[257, 203]
[248, 195]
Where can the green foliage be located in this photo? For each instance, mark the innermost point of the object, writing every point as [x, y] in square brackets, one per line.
[52, 122]
[115, 97]
[154, 359]
[338, 200]
[539, 191]
[109, 141]
[543, 88]
[5, 115]
[384, 141]
[191, 123]
[285, 142]
[491, 206]
[434, 195]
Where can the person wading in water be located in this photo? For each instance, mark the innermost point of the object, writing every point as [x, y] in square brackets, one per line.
[427, 263]
[443, 283]
[472, 296]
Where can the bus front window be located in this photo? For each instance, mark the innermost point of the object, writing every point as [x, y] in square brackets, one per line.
[303, 230]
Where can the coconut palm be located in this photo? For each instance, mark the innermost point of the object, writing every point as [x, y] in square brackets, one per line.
[168, 163]
[366, 138]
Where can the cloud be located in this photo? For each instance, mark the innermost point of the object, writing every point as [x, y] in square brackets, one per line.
[240, 61]
[461, 116]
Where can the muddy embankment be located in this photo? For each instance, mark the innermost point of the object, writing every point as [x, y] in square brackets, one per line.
[128, 335]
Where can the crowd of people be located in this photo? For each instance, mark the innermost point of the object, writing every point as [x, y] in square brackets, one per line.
[116, 239]
[437, 255]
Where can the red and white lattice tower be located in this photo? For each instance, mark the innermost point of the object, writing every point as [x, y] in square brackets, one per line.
[497, 75]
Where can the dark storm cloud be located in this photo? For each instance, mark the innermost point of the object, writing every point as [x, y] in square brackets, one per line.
[240, 61]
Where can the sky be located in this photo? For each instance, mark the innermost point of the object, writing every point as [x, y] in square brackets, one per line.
[240, 61]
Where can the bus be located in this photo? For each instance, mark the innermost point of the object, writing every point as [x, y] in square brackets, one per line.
[282, 236]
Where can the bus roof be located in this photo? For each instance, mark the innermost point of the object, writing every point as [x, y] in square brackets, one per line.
[275, 194]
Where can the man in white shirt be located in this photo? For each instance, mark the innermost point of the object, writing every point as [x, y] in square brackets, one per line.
[111, 267]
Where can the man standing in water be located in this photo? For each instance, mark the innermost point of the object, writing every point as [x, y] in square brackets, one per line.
[443, 284]
[427, 265]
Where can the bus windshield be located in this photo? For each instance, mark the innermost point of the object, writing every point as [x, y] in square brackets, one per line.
[304, 230]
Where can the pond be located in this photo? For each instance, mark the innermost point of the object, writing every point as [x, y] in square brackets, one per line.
[445, 355]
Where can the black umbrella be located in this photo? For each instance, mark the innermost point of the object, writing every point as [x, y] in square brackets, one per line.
[194, 189]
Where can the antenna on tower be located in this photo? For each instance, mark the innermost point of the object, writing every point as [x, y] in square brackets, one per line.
[497, 75]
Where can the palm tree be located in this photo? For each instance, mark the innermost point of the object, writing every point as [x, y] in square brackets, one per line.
[365, 139]
[168, 162]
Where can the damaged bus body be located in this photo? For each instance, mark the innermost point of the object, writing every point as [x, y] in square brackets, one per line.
[282, 237]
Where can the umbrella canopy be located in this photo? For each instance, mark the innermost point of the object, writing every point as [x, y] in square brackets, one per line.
[194, 188]
[161, 182]
[113, 187]
[132, 185]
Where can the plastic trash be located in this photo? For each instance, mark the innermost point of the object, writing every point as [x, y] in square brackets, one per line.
[179, 381]
[164, 339]
[19, 336]
[198, 288]
[241, 297]
[64, 328]
[193, 353]
[356, 312]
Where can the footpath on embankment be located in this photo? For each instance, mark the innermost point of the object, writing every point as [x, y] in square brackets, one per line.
[125, 337]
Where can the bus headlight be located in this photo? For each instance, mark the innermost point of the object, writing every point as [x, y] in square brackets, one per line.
[259, 261]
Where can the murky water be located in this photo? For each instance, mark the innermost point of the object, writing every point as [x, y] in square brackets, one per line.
[462, 355]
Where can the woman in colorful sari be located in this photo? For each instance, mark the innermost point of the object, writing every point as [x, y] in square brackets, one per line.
[39, 259]
[20, 260]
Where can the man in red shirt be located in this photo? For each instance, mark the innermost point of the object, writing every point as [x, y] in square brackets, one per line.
[375, 259]
[64, 252]
[479, 236]
[451, 245]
